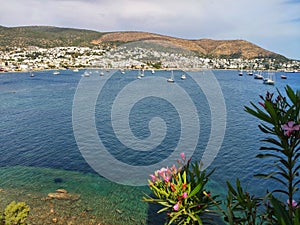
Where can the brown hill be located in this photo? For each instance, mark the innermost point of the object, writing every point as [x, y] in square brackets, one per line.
[47, 37]
[205, 47]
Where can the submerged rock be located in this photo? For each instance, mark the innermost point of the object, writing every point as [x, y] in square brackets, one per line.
[63, 194]
[58, 180]
[61, 191]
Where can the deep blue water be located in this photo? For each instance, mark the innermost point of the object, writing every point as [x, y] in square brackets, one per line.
[36, 127]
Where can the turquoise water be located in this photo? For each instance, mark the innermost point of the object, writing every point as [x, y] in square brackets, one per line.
[38, 144]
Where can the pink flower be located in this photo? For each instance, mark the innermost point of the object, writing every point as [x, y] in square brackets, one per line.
[176, 206]
[289, 128]
[167, 179]
[182, 155]
[174, 170]
[294, 203]
[169, 171]
[153, 177]
[184, 195]
[162, 172]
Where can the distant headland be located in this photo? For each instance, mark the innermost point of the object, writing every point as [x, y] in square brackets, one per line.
[49, 37]
[47, 47]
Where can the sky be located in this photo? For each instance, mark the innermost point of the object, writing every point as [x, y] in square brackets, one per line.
[270, 24]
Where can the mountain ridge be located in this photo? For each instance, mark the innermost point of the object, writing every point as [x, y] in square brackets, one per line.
[51, 36]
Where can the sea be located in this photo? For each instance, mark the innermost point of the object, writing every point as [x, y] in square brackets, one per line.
[100, 133]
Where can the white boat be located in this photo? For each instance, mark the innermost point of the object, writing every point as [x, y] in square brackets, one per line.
[171, 79]
[183, 77]
[269, 79]
[76, 70]
[283, 76]
[101, 73]
[290, 71]
[56, 72]
[258, 76]
[250, 71]
[31, 74]
[122, 72]
[86, 74]
[142, 73]
[152, 71]
[139, 75]
[241, 73]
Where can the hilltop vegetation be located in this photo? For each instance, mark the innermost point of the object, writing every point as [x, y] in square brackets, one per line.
[46, 37]
[49, 37]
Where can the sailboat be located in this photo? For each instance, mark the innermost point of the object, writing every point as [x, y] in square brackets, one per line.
[31, 73]
[258, 75]
[171, 79]
[241, 73]
[269, 79]
[139, 75]
[250, 71]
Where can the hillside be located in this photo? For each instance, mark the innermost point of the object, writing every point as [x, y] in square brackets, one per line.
[46, 37]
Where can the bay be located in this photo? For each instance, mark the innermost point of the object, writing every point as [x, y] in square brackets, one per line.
[38, 144]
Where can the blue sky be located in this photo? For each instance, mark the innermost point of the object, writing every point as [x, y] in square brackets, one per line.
[271, 24]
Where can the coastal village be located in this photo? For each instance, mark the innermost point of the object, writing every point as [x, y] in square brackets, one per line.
[127, 57]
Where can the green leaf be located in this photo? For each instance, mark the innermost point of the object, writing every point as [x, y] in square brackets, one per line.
[258, 113]
[270, 108]
[163, 209]
[265, 129]
[290, 93]
[165, 203]
[268, 155]
[176, 215]
[272, 141]
[281, 191]
[280, 212]
[196, 190]
[231, 189]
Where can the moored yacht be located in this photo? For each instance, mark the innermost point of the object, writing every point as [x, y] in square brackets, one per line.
[258, 76]
[171, 79]
[269, 79]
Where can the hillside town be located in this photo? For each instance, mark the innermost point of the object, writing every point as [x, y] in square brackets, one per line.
[127, 57]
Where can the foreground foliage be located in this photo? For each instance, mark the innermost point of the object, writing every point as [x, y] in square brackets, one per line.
[182, 194]
[280, 121]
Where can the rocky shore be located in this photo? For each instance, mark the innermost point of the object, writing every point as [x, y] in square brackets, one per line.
[71, 198]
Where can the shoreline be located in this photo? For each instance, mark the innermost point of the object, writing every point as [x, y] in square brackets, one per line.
[125, 69]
